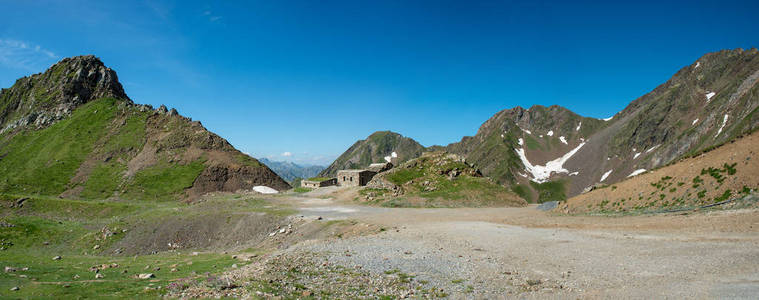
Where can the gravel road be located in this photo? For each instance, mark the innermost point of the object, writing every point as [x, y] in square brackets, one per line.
[526, 253]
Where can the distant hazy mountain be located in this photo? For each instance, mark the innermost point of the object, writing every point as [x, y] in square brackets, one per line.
[289, 171]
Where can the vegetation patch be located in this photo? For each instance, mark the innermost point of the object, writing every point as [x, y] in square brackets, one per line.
[163, 181]
[550, 191]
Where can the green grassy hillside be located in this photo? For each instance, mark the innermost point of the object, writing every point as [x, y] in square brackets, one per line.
[63, 133]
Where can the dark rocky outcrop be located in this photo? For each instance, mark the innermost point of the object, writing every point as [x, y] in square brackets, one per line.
[44, 98]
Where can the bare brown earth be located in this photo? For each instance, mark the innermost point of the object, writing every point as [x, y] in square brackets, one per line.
[687, 185]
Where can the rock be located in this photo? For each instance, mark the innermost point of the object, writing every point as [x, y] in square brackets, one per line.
[57, 258]
[162, 109]
[146, 276]
[174, 269]
[15, 288]
[173, 112]
[96, 247]
[533, 281]
[306, 293]
[76, 276]
[10, 269]
[99, 276]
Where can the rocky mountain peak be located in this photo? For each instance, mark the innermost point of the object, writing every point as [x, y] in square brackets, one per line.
[41, 99]
[377, 147]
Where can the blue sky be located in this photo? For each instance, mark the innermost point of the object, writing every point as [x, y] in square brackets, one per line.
[303, 80]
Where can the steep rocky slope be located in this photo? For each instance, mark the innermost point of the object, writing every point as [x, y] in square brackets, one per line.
[73, 132]
[378, 147]
[728, 172]
[703, 105]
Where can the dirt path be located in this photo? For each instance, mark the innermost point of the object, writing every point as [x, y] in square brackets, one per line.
[523, 252]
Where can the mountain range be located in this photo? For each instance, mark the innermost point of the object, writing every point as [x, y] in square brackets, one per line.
[73, 132]
[552, 153]
[290, 171]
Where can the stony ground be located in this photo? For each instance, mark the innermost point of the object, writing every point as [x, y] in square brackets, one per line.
[508, 253]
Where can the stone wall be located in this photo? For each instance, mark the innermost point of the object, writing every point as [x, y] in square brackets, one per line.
[317, 184]
[354, 177]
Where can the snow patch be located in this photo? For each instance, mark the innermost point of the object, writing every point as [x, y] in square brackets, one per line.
[563, 140]
[724, 121]
[698, 64]
[521, 142]
[525, 130]
[550, 133]
[394, 155]
[709, 96]
[636, 172]
[608, 119]
[540, 173]
[603, 177]
[264, 189]
[578, 127]
[540, 136]
[388, 158]
[694, 122]
[636, 155]
[574, 173]
[653, 148]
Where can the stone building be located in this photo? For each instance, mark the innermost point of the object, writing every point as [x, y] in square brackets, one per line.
[354, 177]
[318, 183]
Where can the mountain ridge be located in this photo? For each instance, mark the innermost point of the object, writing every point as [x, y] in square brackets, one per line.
[72, 131]
[703, 105]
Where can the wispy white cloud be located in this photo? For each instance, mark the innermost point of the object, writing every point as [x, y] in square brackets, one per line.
[287, 154]
[24, 55]
[211, 16]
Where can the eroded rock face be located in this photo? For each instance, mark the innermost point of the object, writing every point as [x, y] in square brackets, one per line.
[228, 178]
[44, 98]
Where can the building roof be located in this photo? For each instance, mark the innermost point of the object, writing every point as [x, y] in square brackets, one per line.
[353, 171]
